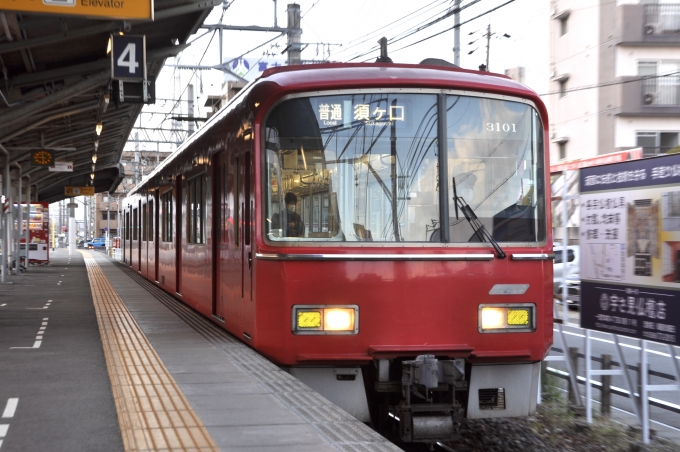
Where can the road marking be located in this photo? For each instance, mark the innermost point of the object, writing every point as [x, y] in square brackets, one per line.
[3, 430]
[39, 336]
[4, 304]
[11, 407]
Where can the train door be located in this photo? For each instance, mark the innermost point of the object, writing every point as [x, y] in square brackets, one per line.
[144, 239]
[247, 208]
[178, 233]
[138, 236]
[221, 217]
[157, 235]
[150, 237]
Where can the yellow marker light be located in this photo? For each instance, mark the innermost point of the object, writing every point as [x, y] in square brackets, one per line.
[493, 318]
[507, 318]
[309, 319]
[518, 317]
[325, 319]
[338, 319]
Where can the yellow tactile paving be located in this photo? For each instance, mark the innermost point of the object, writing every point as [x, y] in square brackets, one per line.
[153, 413]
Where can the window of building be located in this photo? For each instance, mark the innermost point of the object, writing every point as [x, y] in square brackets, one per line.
[656, 143]
[564, 25]
[563, 87]
[562, 147]
[196, 190]
[166, 200]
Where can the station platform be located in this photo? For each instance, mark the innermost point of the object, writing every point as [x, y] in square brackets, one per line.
[95, 358]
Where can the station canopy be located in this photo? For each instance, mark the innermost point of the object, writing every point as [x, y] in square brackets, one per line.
[56, 86]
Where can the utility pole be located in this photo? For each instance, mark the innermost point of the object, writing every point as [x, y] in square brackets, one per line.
[294, 34]
[190, 113]
[456, 33]
[488, 42]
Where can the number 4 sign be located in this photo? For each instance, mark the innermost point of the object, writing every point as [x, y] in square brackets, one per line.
[128, 57]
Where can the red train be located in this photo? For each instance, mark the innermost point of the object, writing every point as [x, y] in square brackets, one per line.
[306, 219]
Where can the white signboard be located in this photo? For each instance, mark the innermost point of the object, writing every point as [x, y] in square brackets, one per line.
[62, 166]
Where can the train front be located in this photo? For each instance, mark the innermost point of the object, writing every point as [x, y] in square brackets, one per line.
[404, 263]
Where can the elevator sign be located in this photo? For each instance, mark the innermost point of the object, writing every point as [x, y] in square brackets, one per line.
[112, 9]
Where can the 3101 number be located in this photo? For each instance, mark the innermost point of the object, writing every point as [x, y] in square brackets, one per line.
[498, 127]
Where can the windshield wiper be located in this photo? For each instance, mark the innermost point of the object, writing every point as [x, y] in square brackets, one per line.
[477, 226]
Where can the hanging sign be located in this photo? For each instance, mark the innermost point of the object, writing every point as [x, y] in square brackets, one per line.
[79, 191]
[62, 166]
[112, 9]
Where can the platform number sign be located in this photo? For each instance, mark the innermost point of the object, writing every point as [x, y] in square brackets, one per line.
[128, 57]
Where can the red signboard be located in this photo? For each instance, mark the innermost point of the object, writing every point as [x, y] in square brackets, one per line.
[614, 157]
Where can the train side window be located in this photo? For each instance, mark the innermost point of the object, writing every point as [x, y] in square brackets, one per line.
[135, 223]
[196, 209]
[167, 216]
[127, 225]
[151, 220]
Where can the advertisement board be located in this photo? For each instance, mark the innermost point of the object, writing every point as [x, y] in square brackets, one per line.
[630, 248]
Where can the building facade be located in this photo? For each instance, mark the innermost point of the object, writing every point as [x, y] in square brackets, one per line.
[615, 71]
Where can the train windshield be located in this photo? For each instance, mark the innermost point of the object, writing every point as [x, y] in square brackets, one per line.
[367, 168]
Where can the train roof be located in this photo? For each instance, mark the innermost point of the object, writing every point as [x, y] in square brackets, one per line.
[351, 75]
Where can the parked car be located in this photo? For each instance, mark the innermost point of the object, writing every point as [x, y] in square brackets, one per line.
[97, 243]
[573, 291]
[562, 268]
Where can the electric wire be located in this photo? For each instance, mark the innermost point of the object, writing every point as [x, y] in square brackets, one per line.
[411, 32]
[388, 27]
[454, 27]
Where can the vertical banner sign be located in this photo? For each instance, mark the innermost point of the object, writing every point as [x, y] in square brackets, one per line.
[128, 57]
[630, 248]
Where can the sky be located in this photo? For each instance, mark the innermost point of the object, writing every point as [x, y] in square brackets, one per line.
[348, 30]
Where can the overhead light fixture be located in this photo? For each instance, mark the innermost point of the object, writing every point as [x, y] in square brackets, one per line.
[96, 145]
[92, 176]
[109, 46]
[98, 128]
[93, 167]
[94, 158]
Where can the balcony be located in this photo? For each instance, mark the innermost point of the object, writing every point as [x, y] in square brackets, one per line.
[656, 96]
[649, 25]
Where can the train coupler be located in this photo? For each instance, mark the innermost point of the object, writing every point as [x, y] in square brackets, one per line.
[429, 411]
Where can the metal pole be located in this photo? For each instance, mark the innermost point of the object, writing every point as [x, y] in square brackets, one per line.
[565, 241]
[456, 33]
[644, 395]
[294, 34]
[72, 227]
[488, 42]
[27, 234]
[17, 235]
[589, 388]
[190, 104]
[275, 22]
[108, 222]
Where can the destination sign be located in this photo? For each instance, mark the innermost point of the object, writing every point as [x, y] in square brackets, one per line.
[79, 191]
[113, 9]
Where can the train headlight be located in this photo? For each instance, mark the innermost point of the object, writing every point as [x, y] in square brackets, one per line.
[324, 319]
[506, 318]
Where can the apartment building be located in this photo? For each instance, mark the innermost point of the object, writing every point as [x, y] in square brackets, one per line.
[615, 72]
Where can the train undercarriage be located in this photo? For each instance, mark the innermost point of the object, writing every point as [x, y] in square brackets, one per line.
[426, 399]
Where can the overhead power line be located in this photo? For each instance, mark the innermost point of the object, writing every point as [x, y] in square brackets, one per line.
[605, 84]
[455, 26]
[411, 32]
